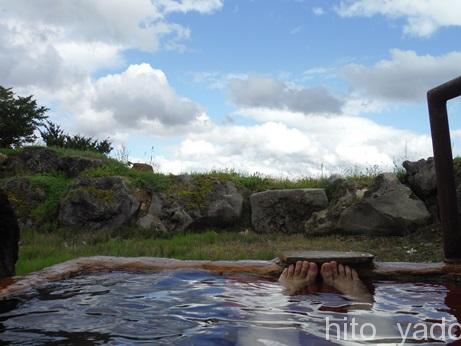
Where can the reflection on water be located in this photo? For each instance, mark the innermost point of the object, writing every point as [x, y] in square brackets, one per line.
[202, 308]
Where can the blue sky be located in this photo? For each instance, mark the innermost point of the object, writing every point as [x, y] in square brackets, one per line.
[279, 87]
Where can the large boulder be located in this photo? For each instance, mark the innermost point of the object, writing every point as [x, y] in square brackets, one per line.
[72, 166]
[196, 203]
[9, 238]
[222, 206]
[33, 160]
[95, 203]
[37, 160]
[387, 208]
[420, 175]
[343, 193]
[24, 197]
[164, 217]
[285, 211]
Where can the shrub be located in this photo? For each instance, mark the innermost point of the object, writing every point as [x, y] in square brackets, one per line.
[54, 135]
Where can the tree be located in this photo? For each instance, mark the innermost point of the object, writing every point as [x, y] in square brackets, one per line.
[19, 119]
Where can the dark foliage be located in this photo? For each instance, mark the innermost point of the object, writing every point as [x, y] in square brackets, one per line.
[19, 118]
[54, 135]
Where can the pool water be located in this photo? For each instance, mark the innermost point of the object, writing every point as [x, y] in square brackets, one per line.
[192, 307]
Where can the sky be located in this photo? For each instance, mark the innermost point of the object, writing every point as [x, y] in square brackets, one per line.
[285, 88]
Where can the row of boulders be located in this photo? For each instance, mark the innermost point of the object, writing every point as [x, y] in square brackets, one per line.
[388, 206]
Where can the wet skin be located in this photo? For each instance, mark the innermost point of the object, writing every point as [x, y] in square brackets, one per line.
[298, 277]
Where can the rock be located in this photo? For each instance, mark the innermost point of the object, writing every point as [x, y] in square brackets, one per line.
[33, 160]
[9, 238]
[222, 206]
[151, 220]
[388, 208]
[72, 166]
[142, 167]
[95, 203]
[420, 175]
[208, 200]
[3, 159]
[343, 194]
[176, 219]
[285, 210]
[24, 197]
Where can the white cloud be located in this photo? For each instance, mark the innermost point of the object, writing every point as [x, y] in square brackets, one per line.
[266, 92]
[140, 95]
[423, 17]
[49, 44]
[290, 144]
[405, 77]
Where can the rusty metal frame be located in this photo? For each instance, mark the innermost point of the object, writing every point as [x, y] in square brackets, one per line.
[443, 158]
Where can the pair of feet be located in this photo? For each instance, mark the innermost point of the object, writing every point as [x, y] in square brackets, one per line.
[296, 278]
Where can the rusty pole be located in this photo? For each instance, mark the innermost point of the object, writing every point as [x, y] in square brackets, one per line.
[443, 158]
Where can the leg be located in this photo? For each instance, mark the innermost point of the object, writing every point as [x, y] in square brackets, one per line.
[346, 280]
[297, 277]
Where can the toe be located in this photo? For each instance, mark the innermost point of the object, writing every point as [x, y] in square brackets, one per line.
[290, 271]
[304, 269]
[334, 269]
[326, 271]
[341, 271]
[348, 272]
[313, 270]
[283, 276]
[355, 275]
[298, 268]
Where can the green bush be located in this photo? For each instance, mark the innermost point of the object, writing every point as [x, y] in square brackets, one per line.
[54, 136]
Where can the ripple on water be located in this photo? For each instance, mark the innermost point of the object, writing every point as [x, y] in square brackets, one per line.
[187, 307]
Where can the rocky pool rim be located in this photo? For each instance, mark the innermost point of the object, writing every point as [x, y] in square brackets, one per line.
[14, 286]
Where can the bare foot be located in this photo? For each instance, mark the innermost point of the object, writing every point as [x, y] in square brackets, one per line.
[346, 280]
[296, 278]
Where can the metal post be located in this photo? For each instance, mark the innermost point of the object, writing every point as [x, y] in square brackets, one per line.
[443, 158]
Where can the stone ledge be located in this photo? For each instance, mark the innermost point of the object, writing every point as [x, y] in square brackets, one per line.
[382, 270]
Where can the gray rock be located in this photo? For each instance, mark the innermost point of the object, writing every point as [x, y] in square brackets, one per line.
[222, 207]
[209, 201]
[33, 160]
[345, 193]
[95, 203]
[9, 238]
[388, 208]
[24, 197]
[72, 166]
[420, 175]
[285, 211]
[176, 219]
[152, 220]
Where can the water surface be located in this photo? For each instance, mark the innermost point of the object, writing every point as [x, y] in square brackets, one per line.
[191, 307]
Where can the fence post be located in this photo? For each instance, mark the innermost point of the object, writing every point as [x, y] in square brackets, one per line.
[443, 158]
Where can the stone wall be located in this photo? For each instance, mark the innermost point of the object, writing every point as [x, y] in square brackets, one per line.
[389, 206]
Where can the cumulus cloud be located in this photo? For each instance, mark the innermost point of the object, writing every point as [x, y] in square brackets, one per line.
[266, 92]
[142, 94]
[49, 44]
[406, 76]
[288, 144]
[423, 17]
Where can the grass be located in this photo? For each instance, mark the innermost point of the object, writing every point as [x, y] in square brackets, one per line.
[39, 249]
[59, 151]
[144, 180]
